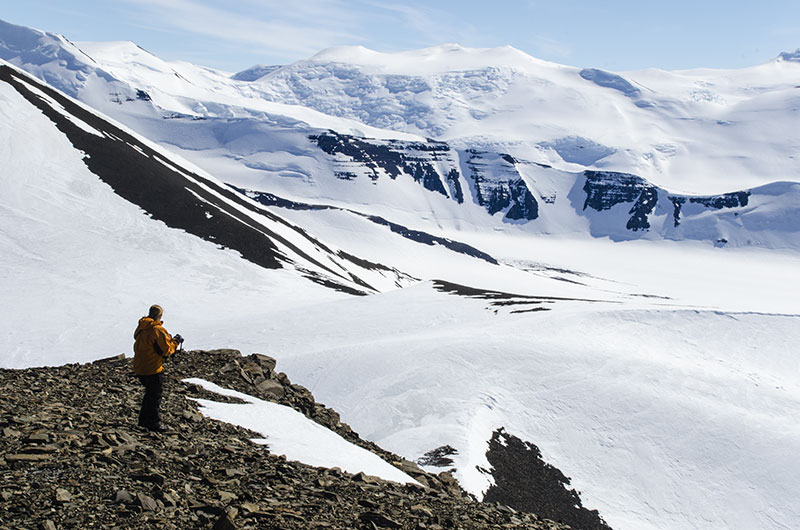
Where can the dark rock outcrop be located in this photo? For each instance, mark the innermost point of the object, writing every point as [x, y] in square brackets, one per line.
[605, 189]
[498, 186]
[524, 481]
[439, 457]
[269, 199]
[394, 158]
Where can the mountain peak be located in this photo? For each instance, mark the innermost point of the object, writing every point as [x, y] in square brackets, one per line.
[35, 44]
[440, 58]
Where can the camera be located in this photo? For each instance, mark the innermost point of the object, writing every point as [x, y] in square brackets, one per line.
[178, 338]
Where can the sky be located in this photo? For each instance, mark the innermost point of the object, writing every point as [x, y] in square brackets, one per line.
[614, 35]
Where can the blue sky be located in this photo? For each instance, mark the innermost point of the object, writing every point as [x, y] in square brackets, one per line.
[615, 35]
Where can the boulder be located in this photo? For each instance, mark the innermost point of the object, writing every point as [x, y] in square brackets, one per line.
[271, 388]
[265, 361]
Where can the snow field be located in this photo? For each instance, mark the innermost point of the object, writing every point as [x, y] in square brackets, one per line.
[290, 433]
[663, 419]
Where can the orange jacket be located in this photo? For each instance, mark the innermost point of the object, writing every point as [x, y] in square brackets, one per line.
[152, 345]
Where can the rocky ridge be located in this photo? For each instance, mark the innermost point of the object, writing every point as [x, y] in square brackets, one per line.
[72, 457]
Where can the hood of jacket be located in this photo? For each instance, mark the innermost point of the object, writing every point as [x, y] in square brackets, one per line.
[145, 323]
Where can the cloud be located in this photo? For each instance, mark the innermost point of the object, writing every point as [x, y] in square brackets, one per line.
[264, 25]
[425, 24]
[269, 28]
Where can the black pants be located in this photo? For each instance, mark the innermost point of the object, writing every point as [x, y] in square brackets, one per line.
[149, 417]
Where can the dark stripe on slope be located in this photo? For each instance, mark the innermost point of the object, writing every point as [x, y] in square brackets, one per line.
[154, 183]
[270, 199]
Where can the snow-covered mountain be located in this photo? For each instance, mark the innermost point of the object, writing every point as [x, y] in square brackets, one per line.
[198, 204]
[556, 233]
[496, 139]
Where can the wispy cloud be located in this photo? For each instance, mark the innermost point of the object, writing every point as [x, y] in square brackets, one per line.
[291, 32]
[425, 25]
[265, 25]
[275, 31]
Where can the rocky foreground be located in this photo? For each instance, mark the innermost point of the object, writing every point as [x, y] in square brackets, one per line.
[71, 456]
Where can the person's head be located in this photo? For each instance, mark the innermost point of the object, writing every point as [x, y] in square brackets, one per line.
[155, 312]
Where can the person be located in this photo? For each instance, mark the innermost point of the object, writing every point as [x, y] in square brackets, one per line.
[152, 344]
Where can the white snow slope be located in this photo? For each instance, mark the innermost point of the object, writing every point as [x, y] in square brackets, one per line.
[66, 235]
[289, 432]
[664, 381]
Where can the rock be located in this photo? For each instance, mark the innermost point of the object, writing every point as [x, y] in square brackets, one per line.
[224, 523]
[225, 352]
[421, 510]
[253, 370]
[230, 367]
[148, 504]
[63, 495]
[408, 467]
[368, 504]
[48, 525]
[11, 433]
[191, 415]
[244, 375]
[226, 496]
[250, 507]
[119, 357]
[169, 500]
[267, 363]
[27, 457]
[123, 497]
[449, 483]
[126, 437]
[324, 482]
[302, 392]
[381, 521]
[271, 388]
[366, 479]
[39, 437]
[506, 509]
[152, 478]
[439, 457]
[423, 480]
[39, 449]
